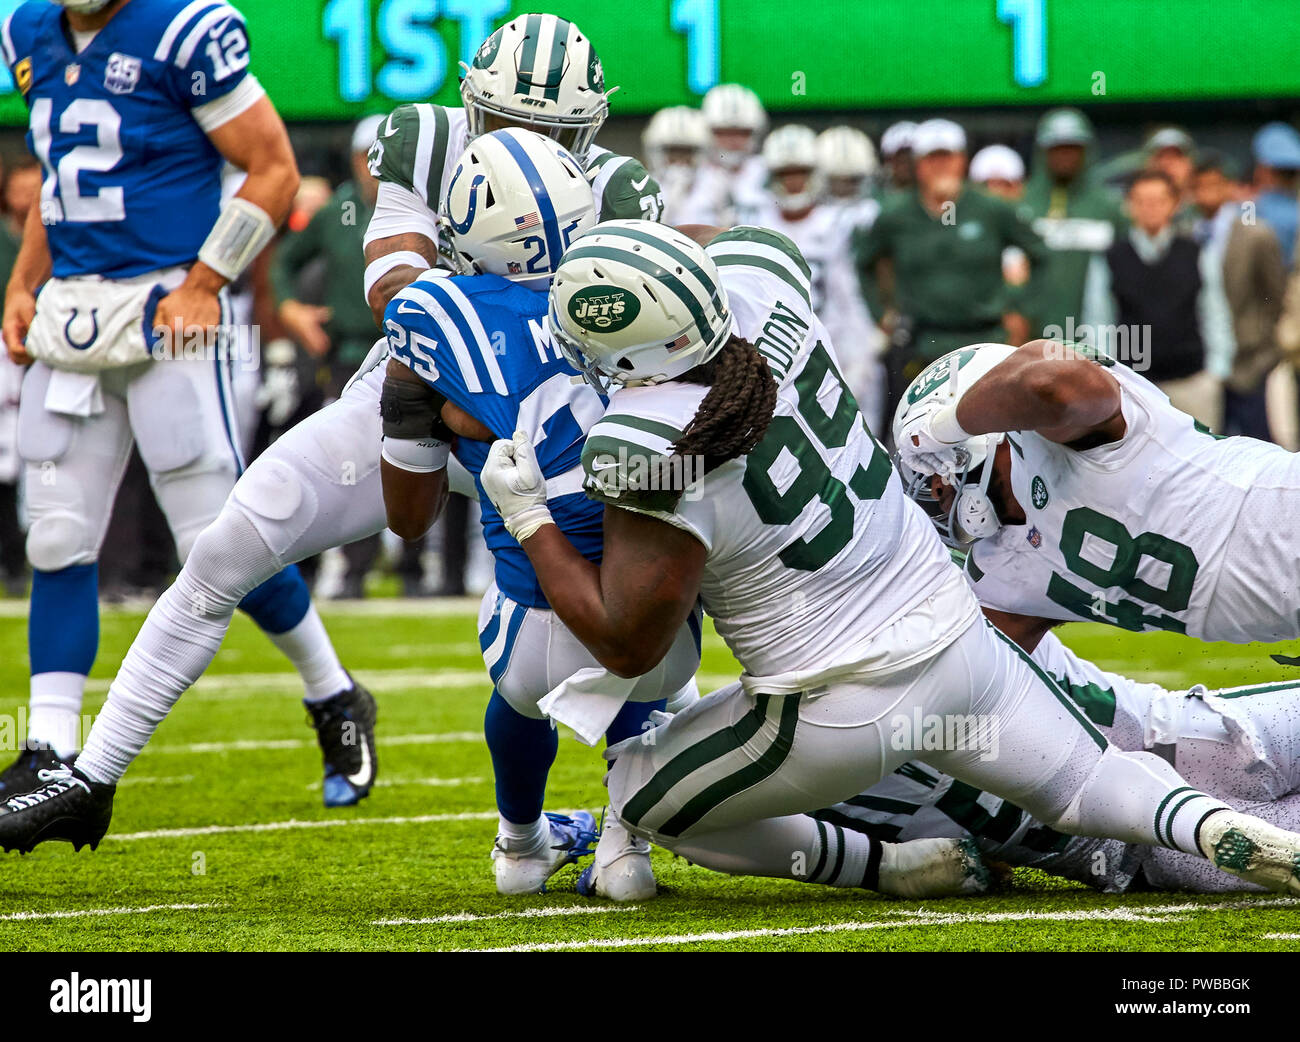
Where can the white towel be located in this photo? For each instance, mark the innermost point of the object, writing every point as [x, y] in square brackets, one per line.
[88, 324]
[588, 702]
[74, 394]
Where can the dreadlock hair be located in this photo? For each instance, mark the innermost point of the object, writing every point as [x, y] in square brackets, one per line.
[734, 415]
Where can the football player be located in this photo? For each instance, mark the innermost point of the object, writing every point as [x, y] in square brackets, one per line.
[674, 140]
[847, 159]
[1240, 743]
[318, 485]
[825, 580]
[1087, 495]
[447, 376]
[732, 173]
[796, 205]
[134, 106]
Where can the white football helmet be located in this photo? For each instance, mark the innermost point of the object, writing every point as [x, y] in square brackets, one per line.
[846, 155]
[678, 127]
[84, 6]
[972, 515]
[792, 147]
[515, 202]
[538, 71]
[729, 106]
[636, 302]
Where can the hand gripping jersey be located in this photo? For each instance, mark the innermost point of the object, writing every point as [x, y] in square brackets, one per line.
[513, 379]
[1241, 744]
[414, 157]
[1169, 528]
[131, 182]
[814, 551]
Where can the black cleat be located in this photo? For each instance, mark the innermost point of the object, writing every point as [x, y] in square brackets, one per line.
[64, 805]
[23, 774]
[345, 728]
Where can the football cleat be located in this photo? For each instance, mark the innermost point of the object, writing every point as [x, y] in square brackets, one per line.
[64, 805]
[1253, 850]
[345, 729]
[621, 868]
[22, 774]
[932, 868]
[571, 839]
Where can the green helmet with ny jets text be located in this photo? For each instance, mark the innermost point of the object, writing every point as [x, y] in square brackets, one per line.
[539, 71]
[635, 302]
[942, 382]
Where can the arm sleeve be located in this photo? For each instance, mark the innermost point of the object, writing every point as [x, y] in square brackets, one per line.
[399, 211]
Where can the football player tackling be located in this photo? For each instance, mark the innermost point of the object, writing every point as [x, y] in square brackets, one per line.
[826, 582]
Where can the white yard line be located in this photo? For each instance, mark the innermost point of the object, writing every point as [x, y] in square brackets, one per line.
[433, 782]
[911, 918]
[25, 917]
[168, 779]
[528, 913]
[252, 744]
[1281, 936]
[292, 823]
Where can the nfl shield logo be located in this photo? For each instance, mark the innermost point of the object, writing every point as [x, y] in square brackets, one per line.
[1035, 537]
[122, 74]
[71, 74]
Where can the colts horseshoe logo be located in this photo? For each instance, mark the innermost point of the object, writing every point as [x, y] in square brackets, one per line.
[94, 330]
[461, 227]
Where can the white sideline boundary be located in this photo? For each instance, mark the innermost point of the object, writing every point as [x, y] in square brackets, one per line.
[27, 917]
[400, 782]
[254, 744]
[527, 913]
[919, 917]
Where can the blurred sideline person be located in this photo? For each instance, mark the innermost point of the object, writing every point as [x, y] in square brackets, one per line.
[732, 174]
[795, 205]
[896, 151]
[944, 246]
[1172, 152]
[1078, 218]
[1245, 261]
[1276, 150]
[674, 141]
[1000, 171]
[1179, 331]
[104, 379]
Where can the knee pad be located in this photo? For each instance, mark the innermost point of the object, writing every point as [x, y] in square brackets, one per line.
[167, 418]
[42, 435]
[276, 500]
[230, 558]
[58, 540]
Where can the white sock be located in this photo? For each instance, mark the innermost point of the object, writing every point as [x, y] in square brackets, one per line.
[55, 716]
[795, 846]
[308, 647]
[523, 839]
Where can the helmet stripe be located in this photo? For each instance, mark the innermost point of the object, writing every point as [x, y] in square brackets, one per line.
[528, 55]
[682, 258]
[559, 47]
[649, 267]
[554, 243]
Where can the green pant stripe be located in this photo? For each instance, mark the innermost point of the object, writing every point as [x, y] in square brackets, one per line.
[1061, 696]
[1261, 689]
[745, 778]
[1161, 809]
[821, 861]
[692, 759]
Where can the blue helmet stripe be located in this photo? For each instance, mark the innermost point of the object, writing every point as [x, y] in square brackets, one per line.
[554, 244]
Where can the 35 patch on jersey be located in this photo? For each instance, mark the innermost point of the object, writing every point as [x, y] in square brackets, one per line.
[122, 74]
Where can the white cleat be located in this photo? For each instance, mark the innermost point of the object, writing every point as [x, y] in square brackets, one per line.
[570, 839]
[1253, 850]
[932, 868]
[621, 868]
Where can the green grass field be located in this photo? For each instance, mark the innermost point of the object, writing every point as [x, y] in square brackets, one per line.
[220, 842]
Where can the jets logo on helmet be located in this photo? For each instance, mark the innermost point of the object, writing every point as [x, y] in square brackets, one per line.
[515, 202]
[635, 302]
[971, 515]
[539, 71]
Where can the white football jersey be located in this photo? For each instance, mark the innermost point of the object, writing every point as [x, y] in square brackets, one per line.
[1168, 528]
[818, 565]
[718, 194]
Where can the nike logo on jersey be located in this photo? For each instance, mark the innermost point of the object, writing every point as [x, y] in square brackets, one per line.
[638, 185]
[405, 307]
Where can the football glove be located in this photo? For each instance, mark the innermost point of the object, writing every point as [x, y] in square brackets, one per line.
[513, 481]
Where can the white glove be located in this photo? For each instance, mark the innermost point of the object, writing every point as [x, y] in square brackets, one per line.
[928, 441]
[514, 482]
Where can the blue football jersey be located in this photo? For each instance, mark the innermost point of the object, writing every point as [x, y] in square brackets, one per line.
[131, 182]
[481, 341]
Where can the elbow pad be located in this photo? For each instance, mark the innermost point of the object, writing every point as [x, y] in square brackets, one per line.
[412, 410]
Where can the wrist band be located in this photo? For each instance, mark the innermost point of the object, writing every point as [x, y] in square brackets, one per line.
[417, 455]
[945, 428]
[240, 234]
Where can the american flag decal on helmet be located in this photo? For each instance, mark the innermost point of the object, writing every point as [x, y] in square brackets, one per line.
[529, 220]
[679, 343]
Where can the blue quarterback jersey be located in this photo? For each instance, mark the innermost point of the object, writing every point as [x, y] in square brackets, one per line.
[131, 182]
[513, 378]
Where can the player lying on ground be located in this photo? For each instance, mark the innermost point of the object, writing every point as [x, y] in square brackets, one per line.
[318, 486]
[827, 583]
[130, 233]
[1104, 502]
[1241, 744]
[523, 198]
